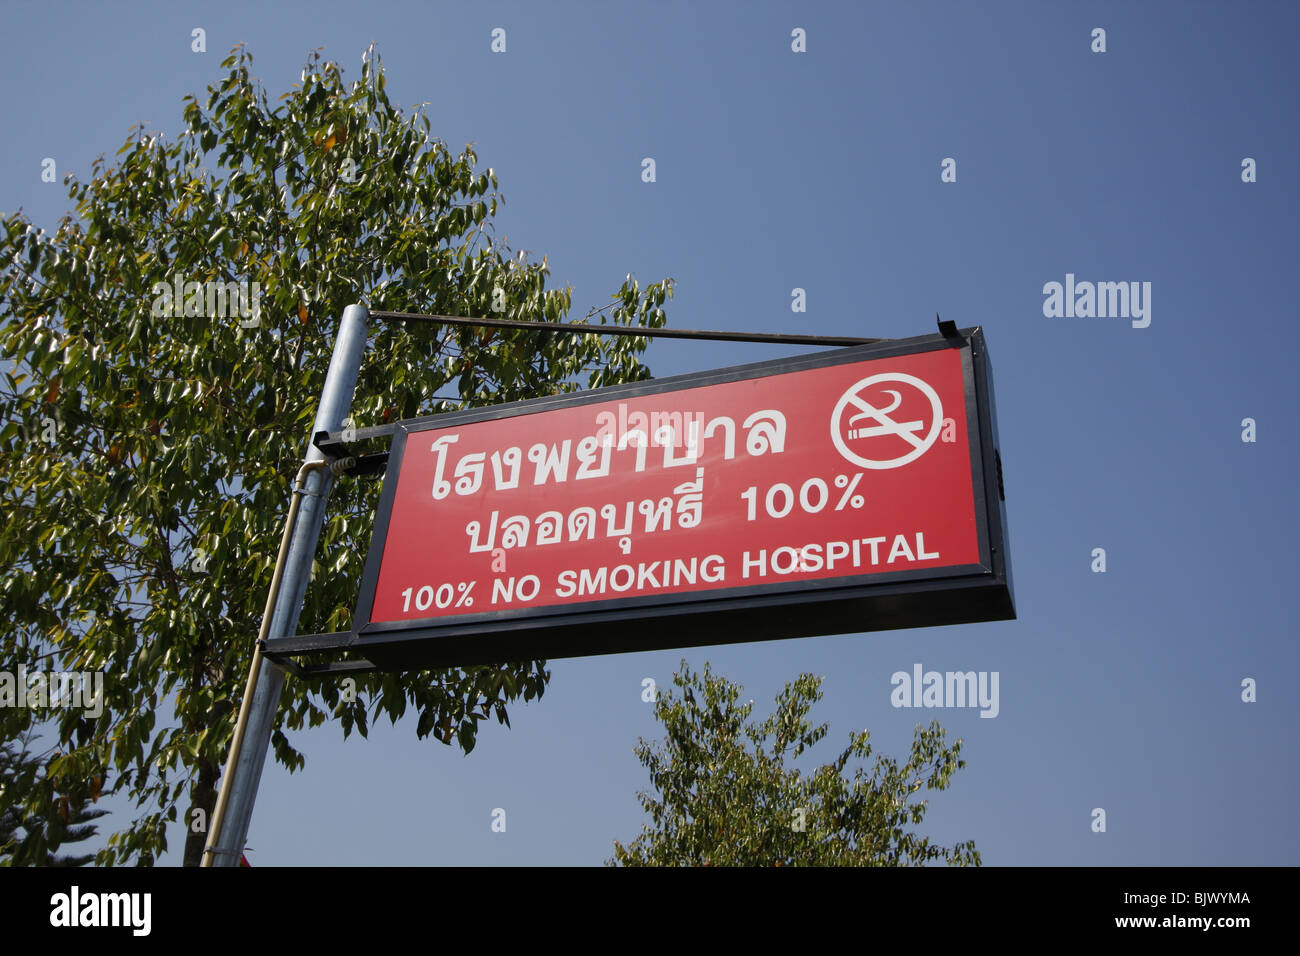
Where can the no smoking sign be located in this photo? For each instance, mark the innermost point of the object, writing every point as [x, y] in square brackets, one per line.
[713, 509]
[886, 420]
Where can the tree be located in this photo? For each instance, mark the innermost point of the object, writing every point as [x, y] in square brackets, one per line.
[719, 803]
[153, 428]
[35, 840]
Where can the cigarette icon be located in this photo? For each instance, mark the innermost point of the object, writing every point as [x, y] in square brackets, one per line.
[887, 426]
[897, 429]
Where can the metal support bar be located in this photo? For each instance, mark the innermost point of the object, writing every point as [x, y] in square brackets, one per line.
[333, 445]
[343, 461]
[307, 644]
[244, 771]
[329, 669]
[578, 328]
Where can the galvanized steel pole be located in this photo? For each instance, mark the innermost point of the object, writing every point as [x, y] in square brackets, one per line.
[335, 401]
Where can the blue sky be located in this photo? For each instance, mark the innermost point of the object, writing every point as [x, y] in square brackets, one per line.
[821, 170]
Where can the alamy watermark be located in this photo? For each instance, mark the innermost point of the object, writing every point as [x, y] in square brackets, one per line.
[654, 429]
[1102, 300]
[129, 910]
[42, 689]
[211, 299]
[923, 688]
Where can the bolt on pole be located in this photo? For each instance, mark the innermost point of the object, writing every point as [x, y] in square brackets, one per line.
[242, 778]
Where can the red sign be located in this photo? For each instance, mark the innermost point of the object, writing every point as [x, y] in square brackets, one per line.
[819, 473]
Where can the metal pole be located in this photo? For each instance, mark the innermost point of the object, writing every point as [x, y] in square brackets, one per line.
[243, 779]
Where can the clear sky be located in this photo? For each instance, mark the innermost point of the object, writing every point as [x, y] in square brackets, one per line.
[822, 170]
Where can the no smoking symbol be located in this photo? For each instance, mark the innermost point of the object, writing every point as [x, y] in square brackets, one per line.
[863, 425]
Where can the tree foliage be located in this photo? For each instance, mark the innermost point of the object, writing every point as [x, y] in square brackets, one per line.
[148, 455]
[28, 839]
[723, 795]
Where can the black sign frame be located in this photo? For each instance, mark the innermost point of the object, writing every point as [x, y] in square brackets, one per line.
[853, 604]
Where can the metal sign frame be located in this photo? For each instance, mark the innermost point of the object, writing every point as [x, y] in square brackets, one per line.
[919, 597]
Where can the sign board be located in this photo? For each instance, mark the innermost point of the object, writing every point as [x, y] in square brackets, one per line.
[852, 490]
